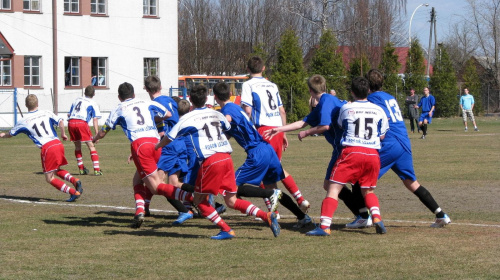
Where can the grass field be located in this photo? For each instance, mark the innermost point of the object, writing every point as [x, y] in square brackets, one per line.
[43, 237]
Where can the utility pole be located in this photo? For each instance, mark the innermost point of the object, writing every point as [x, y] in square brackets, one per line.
[433, 22]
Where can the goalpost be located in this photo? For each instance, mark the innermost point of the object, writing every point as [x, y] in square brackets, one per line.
[9, 108]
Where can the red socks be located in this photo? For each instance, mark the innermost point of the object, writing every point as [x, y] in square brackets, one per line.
[248, 208]
[210, 213]
[291, 186]
[63, 174]
[61, 186]
[328, 208]
[95, 160]
[79, 159]
[372, 203]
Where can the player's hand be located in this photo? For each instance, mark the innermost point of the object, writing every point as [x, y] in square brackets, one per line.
[302, 135]
[430, 114]
[270, 133]
[285, 142]
[2, 135]
[95, 141]
[64, 137]
[129, 159]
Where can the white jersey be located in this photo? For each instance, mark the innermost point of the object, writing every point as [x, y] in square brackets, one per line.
[264, 98]
[204, 128]
[84, 108]
[39, 126]
[136, 117]
[363, 124]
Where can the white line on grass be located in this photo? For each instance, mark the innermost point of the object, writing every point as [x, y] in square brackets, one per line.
[170, 211]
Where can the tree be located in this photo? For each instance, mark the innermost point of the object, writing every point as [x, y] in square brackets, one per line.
[359, 66]
[390, 66]
[328, 63]
[443, 85]
[473, 83]
[290, 76]
[415, 67]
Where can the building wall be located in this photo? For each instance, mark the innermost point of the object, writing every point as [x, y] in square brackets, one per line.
[124, 36]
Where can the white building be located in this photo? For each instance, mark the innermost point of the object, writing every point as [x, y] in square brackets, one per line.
[99, 42]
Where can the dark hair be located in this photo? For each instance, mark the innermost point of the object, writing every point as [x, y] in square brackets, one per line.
[360, 87]
[183, 107]
[255, 65]
[317, 84]
[176, 99]
[198, 96]
[376, 79]
[126, 91]
[152, 84]
[89, 91]
[221, 90]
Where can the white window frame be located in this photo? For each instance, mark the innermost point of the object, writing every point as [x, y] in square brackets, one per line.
[69, 8]
[148, 6]
[5, 70]
[100, 78]
[149, 69]
[29, 70]
[95, 6]
[73, 71]
[6, 7]
[34, 5]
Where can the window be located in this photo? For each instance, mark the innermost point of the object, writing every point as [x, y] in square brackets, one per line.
[150, 8]
[31, 5]
[72, 73]
[5, 70]
[32, 70]
[98, 7]
[99, 71]
[5, 5]
[151, 67]
[72, 6]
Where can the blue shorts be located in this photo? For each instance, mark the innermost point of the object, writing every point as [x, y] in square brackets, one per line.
[398, 159]
[261, 165]
[425, 116]
[335, 156]
[192, 173]
[173, 158]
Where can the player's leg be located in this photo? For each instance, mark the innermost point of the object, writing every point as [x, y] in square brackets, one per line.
[427, 199]
[140, 194]
[60, 185]
[79, 158]
[207, 211]
[94, 156]
[292, 187]
[471, 113]
[464, 117]
[184, 212]
[328, 208]
[371, 201]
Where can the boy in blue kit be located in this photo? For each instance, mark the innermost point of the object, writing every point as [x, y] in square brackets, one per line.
[396, 152]
[427, 103]
[262, 163]
[173, 159]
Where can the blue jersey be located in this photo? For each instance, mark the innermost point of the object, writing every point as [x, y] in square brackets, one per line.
[322, 115]
[466, 101]
[395, 153]
[426, 103]
[242, 129]
[171, 106]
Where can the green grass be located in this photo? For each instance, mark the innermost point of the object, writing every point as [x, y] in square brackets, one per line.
[47, 238]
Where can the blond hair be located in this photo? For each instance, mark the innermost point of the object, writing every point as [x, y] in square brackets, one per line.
[31, 102]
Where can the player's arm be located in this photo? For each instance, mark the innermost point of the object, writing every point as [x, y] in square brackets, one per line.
[247, 110]
[101, 134]
[313, 130]
[289, 127]
[96, 125]
[61, 128]
[283, 121]
[163, 142]
[5, 135]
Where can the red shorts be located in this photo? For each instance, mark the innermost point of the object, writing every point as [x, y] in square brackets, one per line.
[276, 142]
[357, 164]
[52, 154]
[79, 130]
[216, 175]
[145, 156]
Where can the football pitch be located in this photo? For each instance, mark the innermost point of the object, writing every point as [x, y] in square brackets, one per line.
[44, 237]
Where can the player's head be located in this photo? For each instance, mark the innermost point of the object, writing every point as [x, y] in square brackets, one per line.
[176, 99]
[89, 91]
[255, 65]
[376, 79]
[183, 107]
[221, 91]
[317, 84]
[360, 87]
[152, 84]
[198, 96]
[426, 91]
[466, 90]
[125, 91]
[31, 102]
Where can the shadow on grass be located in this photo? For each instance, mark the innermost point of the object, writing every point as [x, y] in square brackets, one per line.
[32, 199]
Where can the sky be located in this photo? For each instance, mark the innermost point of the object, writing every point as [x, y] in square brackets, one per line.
[447, 12]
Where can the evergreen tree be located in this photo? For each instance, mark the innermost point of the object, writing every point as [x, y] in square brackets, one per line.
[359, 66]
[328, 63]
[473, 83]
[290, 76]
[415, 68]
[443, 85]
[390, 66]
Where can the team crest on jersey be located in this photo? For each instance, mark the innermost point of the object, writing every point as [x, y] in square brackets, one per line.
[351, 112]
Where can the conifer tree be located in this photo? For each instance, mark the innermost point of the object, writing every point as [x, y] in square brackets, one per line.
[390, 66]
[290, 76]
[443, 85]
[415, 68]
[473, 83]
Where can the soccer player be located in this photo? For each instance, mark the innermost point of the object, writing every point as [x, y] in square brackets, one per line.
[83, 110]
[205, 128]
[467, 106]
[173, 159]
[38, 125]
[396, 153]
[427, 103]
[364, 125]
[136, 117]
[262, 163]
[261, 101]
[319, 119]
